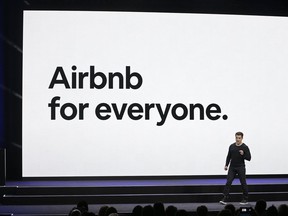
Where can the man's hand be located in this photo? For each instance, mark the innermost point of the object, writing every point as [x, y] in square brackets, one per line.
[241, 152]
[226, 168]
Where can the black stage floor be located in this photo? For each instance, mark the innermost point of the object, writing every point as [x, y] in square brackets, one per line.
[157, 182]
[23, 196]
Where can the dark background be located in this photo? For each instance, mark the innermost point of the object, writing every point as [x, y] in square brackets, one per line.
[11, 48]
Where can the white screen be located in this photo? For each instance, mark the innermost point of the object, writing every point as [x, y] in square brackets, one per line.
[237, 62]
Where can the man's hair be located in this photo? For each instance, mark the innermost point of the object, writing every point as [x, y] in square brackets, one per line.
[239, 134]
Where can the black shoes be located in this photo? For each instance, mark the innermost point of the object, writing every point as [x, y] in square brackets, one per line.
[224, 200]
[244, 202]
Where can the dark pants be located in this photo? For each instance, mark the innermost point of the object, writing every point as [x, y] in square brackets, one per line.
[241, 171]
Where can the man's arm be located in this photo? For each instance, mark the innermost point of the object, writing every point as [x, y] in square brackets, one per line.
[247, 154]
[228, 158]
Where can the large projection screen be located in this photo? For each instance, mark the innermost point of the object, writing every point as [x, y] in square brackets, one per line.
[152, 94]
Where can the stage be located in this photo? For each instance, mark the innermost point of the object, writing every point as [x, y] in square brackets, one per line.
[57, 197]
[123, 209]
[155, 182]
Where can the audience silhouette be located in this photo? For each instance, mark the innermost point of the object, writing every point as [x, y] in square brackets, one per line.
[231, 207]
[171, 210]
[137, 211]
[260, 207]
[272, 211]
[283, 210]
[202, 210]
[158, 209]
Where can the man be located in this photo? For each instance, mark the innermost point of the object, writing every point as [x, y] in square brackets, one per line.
[238, 152]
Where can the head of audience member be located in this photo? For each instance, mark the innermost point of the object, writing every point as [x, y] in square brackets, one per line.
[75, 212]
[88, 214]
[137, 211]
[272, 211]
[82, 206]
[148, 211]
[260, 207]
[110, 210]
[202, 210]
[171, 210]
[102, 211]
[159, 209]
[225, 212]
[231, 207]
[283, 210]
[181, 212]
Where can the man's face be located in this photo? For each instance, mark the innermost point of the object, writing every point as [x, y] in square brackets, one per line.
[238, 139]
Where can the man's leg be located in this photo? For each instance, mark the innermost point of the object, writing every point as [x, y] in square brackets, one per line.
[230, 177]
[242, 178]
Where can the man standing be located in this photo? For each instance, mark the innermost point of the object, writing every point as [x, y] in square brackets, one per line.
[238, 152]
